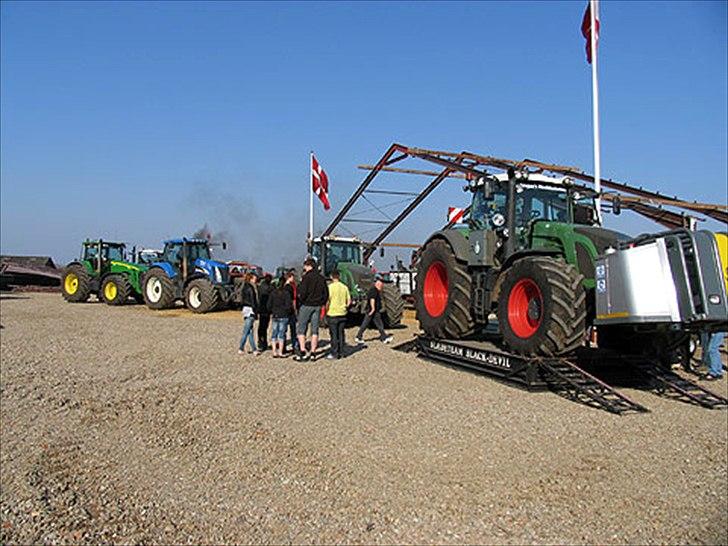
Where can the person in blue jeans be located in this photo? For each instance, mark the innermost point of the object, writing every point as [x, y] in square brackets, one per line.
[250, 310]
[711, 355]
[279, 307]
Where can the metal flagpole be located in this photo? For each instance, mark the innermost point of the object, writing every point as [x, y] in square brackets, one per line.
[310, 198]
[594, 14]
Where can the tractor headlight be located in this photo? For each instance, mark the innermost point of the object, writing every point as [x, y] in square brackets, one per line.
[714, 299]
[498, 219]
[218, 275]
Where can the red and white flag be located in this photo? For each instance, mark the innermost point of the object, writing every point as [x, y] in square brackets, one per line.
[320, 182]
[586, 30]
[454, 215]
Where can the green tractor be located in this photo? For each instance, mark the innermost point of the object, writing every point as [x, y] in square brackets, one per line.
[534, 257]
[526, 256]
[102, 270]
[346, 255]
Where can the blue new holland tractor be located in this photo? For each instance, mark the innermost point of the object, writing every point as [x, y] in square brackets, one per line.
[186, 271]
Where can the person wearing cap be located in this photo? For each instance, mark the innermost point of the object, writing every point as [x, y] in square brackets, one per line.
[374, 313]
[313, 294]
[250, 310]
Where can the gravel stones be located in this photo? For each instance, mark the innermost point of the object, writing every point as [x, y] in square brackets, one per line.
[126, 425]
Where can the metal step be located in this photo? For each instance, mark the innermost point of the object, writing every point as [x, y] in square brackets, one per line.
[585, 388]
[406, 346]
[666, 380]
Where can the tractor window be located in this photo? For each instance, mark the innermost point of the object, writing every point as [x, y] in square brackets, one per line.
[540, 204]
[89, 252]
[484, 210]
[337, 252]
[115, 253]
[172, 253]
[584, 209]
[198, 251]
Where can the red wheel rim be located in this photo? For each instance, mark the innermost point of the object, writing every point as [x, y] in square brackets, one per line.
[525, 308]
[435, 289]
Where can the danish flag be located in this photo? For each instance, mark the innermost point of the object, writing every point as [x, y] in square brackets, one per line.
[454, 215]
[586, 29]
[320, 182]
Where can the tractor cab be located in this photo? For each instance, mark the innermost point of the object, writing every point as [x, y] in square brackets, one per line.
[537, 197]
[332, 251]
[106, 251]
[190, 256]
[538, 200]
[180, 251]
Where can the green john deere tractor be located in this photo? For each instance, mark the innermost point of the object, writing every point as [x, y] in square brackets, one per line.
[526, 256]
[102, 270]
[346, 255]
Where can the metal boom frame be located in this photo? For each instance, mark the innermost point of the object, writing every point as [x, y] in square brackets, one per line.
[468, 165]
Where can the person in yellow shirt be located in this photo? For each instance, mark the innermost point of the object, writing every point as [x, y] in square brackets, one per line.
[336, 309]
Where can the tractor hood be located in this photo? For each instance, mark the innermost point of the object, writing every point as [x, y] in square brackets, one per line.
[210, 263]
[602, 237]
[217, 272]
[356, 276]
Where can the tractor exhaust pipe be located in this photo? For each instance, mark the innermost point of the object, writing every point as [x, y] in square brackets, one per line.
[511, 214]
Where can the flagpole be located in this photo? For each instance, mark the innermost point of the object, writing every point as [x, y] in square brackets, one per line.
[310, 197]
[593, 12]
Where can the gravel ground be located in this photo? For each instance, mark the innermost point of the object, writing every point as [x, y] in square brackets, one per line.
[126, 425]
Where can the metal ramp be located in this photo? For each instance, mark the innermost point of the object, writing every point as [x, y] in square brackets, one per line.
[583, 387]
[667, 382]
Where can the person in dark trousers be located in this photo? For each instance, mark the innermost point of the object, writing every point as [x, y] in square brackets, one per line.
[292, 289]
[336, 309]
[264, 289]
[250, 309]
[279, 306]
[313, 294]
[374, 313]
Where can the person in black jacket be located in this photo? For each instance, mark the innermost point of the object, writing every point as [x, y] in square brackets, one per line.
[280, 304]
[292, 289]
[374, 313]
[250, 309]
[264, 289]
[313, 294]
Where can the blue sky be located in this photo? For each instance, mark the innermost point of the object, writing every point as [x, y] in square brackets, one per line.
[141, 121]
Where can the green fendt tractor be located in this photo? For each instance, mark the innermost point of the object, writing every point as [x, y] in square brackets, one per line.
[102, 270]
[526, 255]
[534, 257]
[346, 256]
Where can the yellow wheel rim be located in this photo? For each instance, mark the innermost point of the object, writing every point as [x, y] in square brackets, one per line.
[110, 290]
[71, 283]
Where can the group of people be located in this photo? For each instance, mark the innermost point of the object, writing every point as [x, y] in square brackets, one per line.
[295, 308]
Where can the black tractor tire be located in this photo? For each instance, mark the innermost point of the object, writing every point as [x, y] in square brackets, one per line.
[115, 290]
[392, 305]
[158, 289]
[542, 307]
[443, 292]
[76, 284]
[201, 296]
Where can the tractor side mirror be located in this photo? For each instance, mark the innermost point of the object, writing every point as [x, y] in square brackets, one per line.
[617, 205]
[224, 245]
[381, 252]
